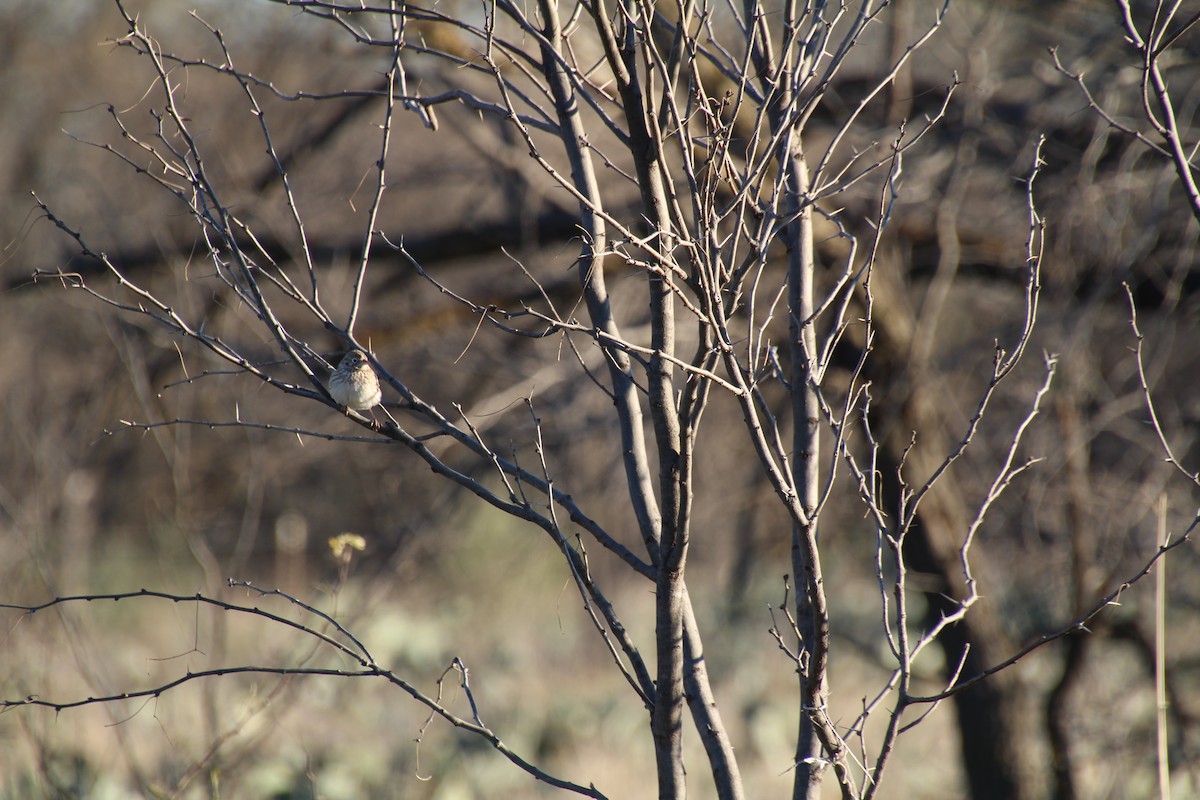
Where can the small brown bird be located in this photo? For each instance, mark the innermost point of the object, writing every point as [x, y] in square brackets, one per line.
[355, 385]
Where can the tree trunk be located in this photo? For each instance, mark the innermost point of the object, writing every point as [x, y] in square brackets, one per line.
[993, 721]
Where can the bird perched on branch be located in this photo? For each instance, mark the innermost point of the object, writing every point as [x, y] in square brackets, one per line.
[355, 385]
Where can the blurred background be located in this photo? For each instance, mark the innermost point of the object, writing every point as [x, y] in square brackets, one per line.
[86, 507]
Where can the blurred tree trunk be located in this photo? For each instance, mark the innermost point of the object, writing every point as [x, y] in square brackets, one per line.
[994, 723]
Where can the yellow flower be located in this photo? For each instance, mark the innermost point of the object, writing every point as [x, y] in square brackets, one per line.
[342, 545]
